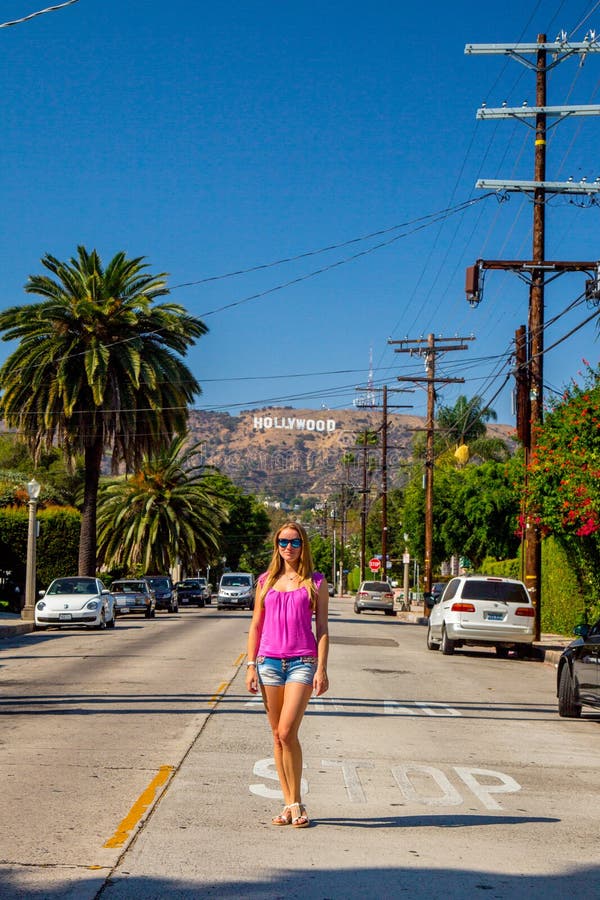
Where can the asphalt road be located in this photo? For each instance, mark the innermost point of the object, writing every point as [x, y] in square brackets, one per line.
[134, 765]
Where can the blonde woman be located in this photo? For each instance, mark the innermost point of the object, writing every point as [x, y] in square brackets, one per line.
[285, 658]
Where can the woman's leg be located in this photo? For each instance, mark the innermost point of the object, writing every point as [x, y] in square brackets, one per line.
[295, 701]
[285, 709]
[273, 700]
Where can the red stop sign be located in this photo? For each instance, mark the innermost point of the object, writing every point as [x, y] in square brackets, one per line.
[374, 564]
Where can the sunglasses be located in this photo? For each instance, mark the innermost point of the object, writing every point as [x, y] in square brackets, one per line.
[295, 542]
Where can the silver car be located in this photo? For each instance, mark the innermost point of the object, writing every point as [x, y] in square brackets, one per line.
[482, 609]
[236, 591]
[375, 595]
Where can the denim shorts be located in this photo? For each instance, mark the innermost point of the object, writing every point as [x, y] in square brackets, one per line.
[275, 672]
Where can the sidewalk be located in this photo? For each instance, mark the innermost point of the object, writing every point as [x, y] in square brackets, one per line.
[548, 649]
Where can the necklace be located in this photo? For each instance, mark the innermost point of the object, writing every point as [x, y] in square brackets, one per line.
[293, 577]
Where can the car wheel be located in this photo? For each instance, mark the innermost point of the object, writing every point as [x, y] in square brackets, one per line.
[153, 614]
[113, 621]
[390, 612]
[200, 605]
[523, 651]
[568, 706]
[447, 643]
[102, 623]
[431, 644]
[502, 651]
[357, 610]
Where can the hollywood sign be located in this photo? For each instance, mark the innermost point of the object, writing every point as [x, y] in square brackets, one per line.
[291, 423]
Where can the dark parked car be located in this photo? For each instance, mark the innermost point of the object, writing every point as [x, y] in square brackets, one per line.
[165, 593]
[577, 677]
[192, 591]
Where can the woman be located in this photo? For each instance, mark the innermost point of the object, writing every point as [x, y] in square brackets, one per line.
[285, 658]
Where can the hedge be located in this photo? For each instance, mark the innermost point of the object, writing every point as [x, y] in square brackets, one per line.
[57, 544]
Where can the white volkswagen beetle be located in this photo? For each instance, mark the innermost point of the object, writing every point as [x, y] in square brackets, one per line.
[76, 600]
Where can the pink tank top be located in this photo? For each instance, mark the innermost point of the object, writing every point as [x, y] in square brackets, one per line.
[287, 622]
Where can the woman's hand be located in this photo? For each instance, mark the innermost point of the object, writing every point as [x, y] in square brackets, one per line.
[252, 680]
[320, 682]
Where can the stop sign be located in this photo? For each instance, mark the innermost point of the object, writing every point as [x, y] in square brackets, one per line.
[374, 564]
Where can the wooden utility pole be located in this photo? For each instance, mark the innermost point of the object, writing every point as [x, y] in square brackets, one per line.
[538, 268]
[385, 406]
[429, 350]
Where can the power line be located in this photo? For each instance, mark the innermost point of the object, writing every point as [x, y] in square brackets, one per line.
[40, 12]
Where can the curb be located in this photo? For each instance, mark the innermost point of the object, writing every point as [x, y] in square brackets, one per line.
[17, 628]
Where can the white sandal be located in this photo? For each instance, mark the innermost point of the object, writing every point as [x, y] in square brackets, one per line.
[299, 816]
[284, 817]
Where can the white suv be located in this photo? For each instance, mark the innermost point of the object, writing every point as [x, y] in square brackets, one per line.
[481, 609]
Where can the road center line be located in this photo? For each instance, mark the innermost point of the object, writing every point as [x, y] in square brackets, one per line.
[138, 809]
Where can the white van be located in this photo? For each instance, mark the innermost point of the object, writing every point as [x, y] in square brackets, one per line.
[236, 591]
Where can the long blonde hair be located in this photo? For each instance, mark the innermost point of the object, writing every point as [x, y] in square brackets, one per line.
[305, 564]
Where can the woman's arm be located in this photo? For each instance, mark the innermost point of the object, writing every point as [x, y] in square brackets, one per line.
[254, 633]
[321, 681]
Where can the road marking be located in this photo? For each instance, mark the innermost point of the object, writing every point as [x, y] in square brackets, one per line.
[265, 768]
[138, 809]
[449, 795]
[219, 692]
[238, 661]
[394, 708]
[349, 769]
[418, 784]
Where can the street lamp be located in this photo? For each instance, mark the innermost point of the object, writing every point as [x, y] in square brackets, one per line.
[27, 613]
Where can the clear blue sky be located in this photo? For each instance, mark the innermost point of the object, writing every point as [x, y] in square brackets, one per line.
[212, 138]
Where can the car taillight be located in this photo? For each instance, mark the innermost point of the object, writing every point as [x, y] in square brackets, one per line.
[389, 596]
[525, 611]
[363, 594]
[462, 607]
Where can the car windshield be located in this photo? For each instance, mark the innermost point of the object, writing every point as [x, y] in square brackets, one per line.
[381, 586]
[73, 586]
[161, 584]
[189, 583]
[235, 581]
[120, 587]
[482, 589]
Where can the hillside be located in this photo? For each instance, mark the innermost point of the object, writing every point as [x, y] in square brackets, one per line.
[285, 453]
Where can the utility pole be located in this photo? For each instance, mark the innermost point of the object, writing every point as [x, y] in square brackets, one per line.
[384, 450]
[429, 350]
[561, 49]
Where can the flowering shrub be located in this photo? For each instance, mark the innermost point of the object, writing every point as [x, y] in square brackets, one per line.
[564, 478]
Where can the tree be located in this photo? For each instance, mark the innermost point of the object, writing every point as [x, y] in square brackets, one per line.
[97, 368]
[166, 513]
[465, 421]
[243, 534]
[563, 482]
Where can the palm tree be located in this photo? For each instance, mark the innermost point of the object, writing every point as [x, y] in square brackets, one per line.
[166, 513]
[97, 368]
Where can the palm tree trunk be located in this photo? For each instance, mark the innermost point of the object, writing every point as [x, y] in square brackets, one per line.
[87, 535]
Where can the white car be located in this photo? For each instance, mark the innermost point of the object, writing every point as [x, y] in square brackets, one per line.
[75, 600]
[482, 609]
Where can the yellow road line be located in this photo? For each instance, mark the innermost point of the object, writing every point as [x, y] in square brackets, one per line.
[219, 692]
[239, 659]
[138, 809]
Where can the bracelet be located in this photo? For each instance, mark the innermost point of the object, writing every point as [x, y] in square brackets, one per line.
[251, 662]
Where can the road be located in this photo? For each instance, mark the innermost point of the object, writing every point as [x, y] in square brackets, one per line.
[136, 766]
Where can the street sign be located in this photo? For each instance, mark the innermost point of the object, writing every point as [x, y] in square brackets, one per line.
[374, 564]
[406, 558]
